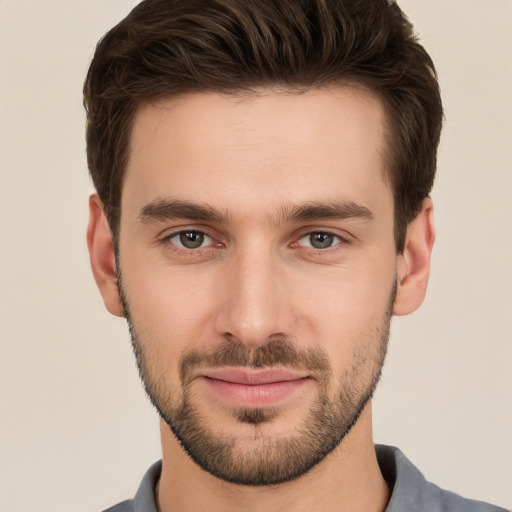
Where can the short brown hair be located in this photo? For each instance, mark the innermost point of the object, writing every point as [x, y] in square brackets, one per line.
[167, 47]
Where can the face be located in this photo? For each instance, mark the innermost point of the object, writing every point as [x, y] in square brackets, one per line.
[257, 270]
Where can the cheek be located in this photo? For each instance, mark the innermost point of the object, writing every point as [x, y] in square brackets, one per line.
[333, 307]
[171, 310]
[346, 306]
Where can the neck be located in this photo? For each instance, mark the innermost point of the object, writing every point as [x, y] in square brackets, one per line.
[347, 479]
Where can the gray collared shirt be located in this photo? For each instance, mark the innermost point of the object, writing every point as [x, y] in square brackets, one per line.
[410, 491]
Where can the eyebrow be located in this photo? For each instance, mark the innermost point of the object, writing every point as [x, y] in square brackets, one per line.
[171, 209]
[315, 210]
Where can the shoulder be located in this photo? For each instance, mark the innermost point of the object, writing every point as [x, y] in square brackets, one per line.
[144, 500]
[451, 502]
[412, 492]
[125, 506]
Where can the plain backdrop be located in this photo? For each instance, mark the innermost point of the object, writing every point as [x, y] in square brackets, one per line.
[76, 431]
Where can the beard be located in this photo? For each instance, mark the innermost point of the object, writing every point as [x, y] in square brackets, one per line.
[272, 458]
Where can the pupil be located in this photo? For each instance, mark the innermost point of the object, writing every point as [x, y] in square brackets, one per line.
[321, 240]
[192, 239]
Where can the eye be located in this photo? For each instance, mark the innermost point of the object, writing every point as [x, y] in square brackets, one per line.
[320, 240]
[190, 239]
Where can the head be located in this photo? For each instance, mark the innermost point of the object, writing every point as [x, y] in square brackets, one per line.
[263, 171]
[167, 48]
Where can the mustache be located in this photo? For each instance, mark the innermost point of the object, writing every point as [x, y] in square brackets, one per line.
[280, 352]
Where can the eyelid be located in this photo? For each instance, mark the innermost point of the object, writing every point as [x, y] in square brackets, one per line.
[166, 239]
[333, 235]
[338, 240]
[169, 232]
[180, 245]
[343, 237]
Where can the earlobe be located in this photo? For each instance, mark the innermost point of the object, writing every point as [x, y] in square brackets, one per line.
[413, 264]
[101, 253]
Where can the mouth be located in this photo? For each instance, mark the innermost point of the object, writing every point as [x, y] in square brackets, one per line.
[254, 388]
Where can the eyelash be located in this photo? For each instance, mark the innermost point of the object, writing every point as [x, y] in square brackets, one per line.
[167, 240]
[339, 240]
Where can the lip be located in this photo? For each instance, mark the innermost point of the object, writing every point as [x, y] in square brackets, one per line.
[253, 377]
[243, 387]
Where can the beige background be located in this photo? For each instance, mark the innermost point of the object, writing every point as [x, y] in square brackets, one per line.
[76, 432]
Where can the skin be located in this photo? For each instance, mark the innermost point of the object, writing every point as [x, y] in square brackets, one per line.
[252, 159]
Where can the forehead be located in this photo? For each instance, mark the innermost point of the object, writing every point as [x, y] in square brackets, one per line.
[279, 146]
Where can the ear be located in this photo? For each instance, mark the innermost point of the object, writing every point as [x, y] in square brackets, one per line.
[101, 253]
[413, 264]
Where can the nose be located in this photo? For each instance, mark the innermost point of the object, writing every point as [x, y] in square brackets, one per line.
[256, 302]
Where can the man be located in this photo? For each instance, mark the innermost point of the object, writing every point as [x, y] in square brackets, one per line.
[263, 172]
